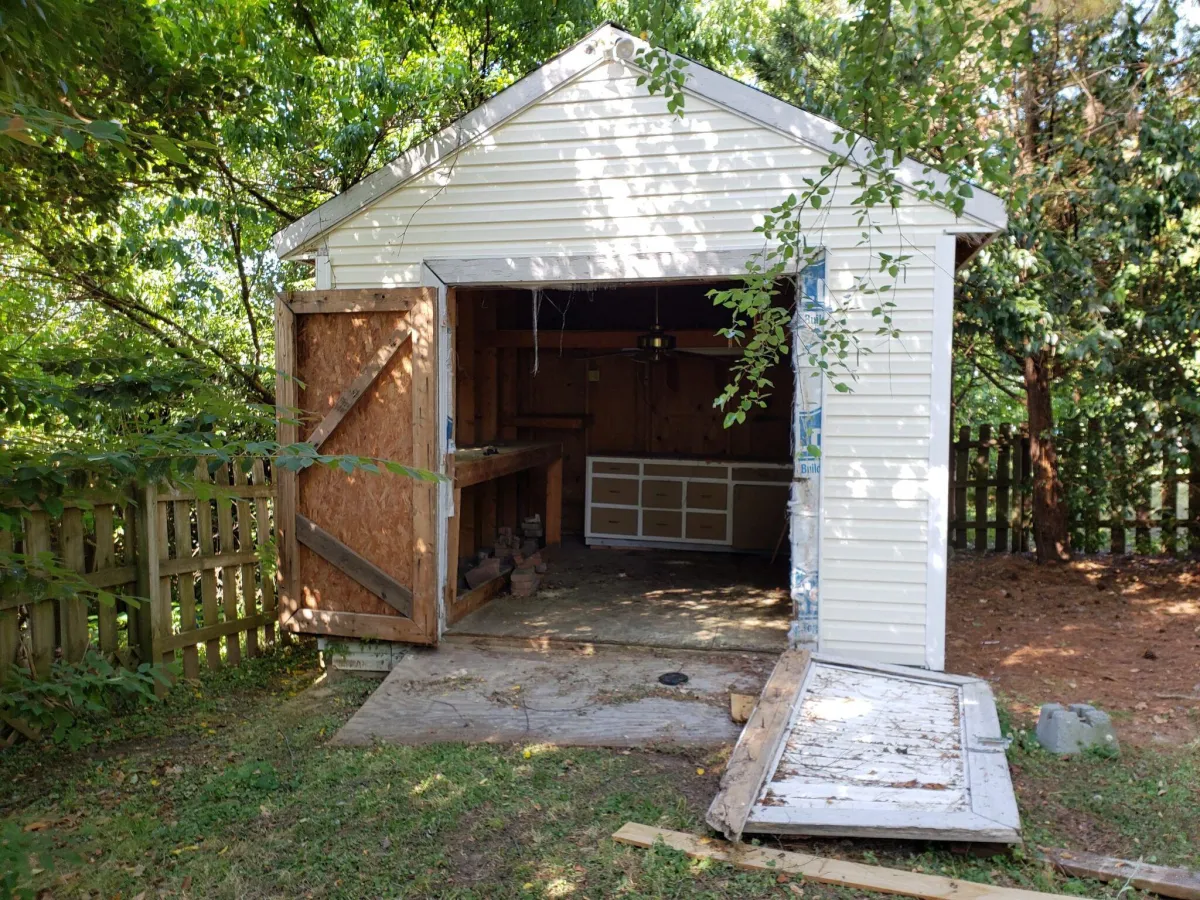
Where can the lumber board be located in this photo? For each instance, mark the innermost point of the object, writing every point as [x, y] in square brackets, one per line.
[821, 869]
[206, 563]
[1164, 880]
[245, 540]
[287, 433]
[187, 586]
[365, 378]
[192, 637]
[750, 763]
[477, 597]
[339, 623]
[523, 338]
[472, 467]
[362, 570]
[262, 537]
[352, 300]
[426, 425]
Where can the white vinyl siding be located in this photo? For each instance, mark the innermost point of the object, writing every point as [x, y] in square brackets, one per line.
[600, 167]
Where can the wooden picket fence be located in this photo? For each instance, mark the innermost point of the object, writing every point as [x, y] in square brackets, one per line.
[1117, 507]
[201, 571]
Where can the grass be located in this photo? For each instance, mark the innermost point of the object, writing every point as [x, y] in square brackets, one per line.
[232, 789]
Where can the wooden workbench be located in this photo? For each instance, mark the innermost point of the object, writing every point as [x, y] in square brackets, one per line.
[476, 465]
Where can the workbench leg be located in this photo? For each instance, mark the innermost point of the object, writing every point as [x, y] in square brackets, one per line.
[554, 471]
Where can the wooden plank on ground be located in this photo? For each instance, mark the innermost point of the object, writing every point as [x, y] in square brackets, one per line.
[757, 747]
[821, 869]
[1164, 880]
[365, 378]
[361, 569]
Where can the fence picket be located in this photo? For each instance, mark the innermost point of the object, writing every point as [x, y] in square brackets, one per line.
[42, 636]
[73, 611]
[105, 558]
[233, 650]
[186, 585]
[10, 634]
[262, 537]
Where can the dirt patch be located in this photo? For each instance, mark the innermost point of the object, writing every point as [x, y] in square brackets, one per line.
[1121, 633]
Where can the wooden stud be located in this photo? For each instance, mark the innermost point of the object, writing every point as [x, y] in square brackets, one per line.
[452, 536]
[208, 576]
[229, 596]
[755, 752]
[105, 560]
[554, 502]
[820, 869]
[287, 432]
[365, 378]
[361, 569]
[343, 624]
[73, 612]
[262, 537]
[522, 338]
[186, 585]
[245, 538]
[464, 350]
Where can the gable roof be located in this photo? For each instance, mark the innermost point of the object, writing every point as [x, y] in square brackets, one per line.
[606, 43]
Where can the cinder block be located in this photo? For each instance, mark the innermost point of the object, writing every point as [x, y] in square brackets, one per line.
[484, 572]
[1074, 729]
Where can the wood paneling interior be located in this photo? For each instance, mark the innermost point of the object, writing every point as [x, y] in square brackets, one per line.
[626, 406]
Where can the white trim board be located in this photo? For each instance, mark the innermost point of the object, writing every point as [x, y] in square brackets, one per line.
[295, 241]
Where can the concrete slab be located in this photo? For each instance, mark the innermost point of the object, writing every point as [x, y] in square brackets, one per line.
[653, 598]
[571, 695]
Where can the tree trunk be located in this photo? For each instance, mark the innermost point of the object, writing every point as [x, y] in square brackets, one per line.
[1050, 531]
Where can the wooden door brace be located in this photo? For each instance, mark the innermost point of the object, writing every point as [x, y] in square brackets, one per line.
[358, 387]
[362, 570]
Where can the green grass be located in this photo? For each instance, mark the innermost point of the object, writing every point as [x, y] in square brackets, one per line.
[231, 789]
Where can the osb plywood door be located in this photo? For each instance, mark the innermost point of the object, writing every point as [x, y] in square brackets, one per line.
[363, 551]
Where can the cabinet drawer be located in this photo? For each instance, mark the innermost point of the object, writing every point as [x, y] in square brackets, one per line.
[703, 495]
[623, 491]
[662, 494]
[705, 526]
[763, 474]
[606, 520]
[663, 523]
[686, 470]
[607, 467]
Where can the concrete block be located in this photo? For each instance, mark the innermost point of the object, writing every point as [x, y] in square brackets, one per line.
[367, 658]
[1074, 729]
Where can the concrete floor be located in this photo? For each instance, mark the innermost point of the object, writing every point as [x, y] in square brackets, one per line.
[651, 598]
[571, 695]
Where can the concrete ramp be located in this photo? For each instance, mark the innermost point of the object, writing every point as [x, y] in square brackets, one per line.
[566, 694]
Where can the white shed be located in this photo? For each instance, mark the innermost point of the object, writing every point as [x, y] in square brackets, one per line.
[547, 259]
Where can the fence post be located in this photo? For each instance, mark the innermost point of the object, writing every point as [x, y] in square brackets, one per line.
[983, 453]
[149, 582]
[233, 650]
[1194, 499]
[106, 613]
[960, 489]
[1003, 486]
[10, 636]
[1170, 500]
[262, 526]
[73, 611]
[41, 614]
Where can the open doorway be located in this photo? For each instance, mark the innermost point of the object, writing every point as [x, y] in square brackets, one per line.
[674, 528]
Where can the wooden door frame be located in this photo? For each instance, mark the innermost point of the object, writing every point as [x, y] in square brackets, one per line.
[428, 453]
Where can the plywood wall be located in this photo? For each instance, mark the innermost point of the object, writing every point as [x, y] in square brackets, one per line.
[372, 514]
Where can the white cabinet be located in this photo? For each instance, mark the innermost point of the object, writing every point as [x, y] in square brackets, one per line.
[701, 504]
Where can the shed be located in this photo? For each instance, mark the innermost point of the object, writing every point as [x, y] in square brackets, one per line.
[519, 304]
